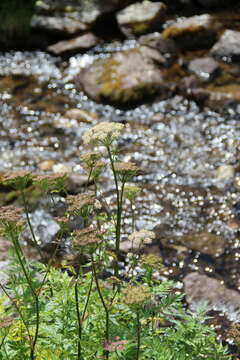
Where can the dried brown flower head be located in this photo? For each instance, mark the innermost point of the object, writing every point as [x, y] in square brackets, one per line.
[137, 295]
[18, 179]
[87, 236]
[125, 170]
[80, 203]
[10, 214]
[51, 182]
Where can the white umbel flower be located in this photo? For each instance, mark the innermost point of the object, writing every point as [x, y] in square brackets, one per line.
[104, 133]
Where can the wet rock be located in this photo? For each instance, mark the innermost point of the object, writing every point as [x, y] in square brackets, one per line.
[201, 289]
[227, 48]
[62, 26]
[140, 18]
[225, 172]
[204, 242]
[205, 68]
[72, 46]
[166, 47]
[193, 33]
[81, 115]
[125, 78]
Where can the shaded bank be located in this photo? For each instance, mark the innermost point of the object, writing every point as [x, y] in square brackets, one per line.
[15, 16]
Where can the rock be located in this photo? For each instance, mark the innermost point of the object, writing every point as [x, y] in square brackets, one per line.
[193, 33]
[166, 47]
[62, 168]
[205, 68]
[225, 172]
[140, 18]
[78, 44]
[125, 78]
[46, 165]
[227, 48]
[201, 289]
[76, 182]
[204, 242]
[81, 115]
[62, 26]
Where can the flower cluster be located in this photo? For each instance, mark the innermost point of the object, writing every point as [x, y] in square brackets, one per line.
[10, 214]
[151, 261]
[142, 237]
[92, 164]
[18, 179]
[51, 182]
[87, 236]
[80, 204]
[125, 170]
[135, 295]
[103, 133]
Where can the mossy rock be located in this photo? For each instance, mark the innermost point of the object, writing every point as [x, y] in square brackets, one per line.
[123, 79]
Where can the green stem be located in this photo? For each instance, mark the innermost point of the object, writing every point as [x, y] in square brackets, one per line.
[138, 335]
[88, 298]
[25, 205]
[104, 305]
[79, 353]
[35, 296]
[133, 217]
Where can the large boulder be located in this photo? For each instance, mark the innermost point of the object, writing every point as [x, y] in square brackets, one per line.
[193, 33]
[141, 18]
[228, 48]
[124, 78]
[201, 289]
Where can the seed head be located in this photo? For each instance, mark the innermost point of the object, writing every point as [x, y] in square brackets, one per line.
[87, 236]
[80, 203]
[125, 170]
[51, 182]
[103, 133]
[142, 237]
[18, 179]
[136, 295]
[10, 214]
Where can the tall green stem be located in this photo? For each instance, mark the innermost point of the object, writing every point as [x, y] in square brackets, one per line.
[79, 353]
[138, 335]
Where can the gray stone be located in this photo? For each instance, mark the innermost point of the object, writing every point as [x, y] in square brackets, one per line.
[201, 289]
[78, 44]
[141, 18]
[124, 78]
[228, 47]
[58, 25]
[205, 68]
[193, 33]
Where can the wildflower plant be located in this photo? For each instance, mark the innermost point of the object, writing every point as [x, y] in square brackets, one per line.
[86, 309]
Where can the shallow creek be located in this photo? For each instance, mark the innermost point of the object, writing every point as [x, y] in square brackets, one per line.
[179, 147]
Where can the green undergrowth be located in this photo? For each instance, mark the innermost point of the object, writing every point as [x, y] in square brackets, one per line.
[51, 310]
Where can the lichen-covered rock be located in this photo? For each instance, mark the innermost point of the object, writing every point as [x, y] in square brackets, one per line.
[124, 78]
[78, 44]
[193, 33]
[141, 18]
[205, 68]
[228, 48]
[201, 289]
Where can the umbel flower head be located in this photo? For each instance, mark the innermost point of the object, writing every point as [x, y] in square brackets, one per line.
[80, 204]
[17, 179]
[151, 261]
[103, 133]
[131, 191]
[50, 183]
[10, 214]
[141, 237]
[92, 164]
[137, 295]
[125, 170]
[87, 237]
